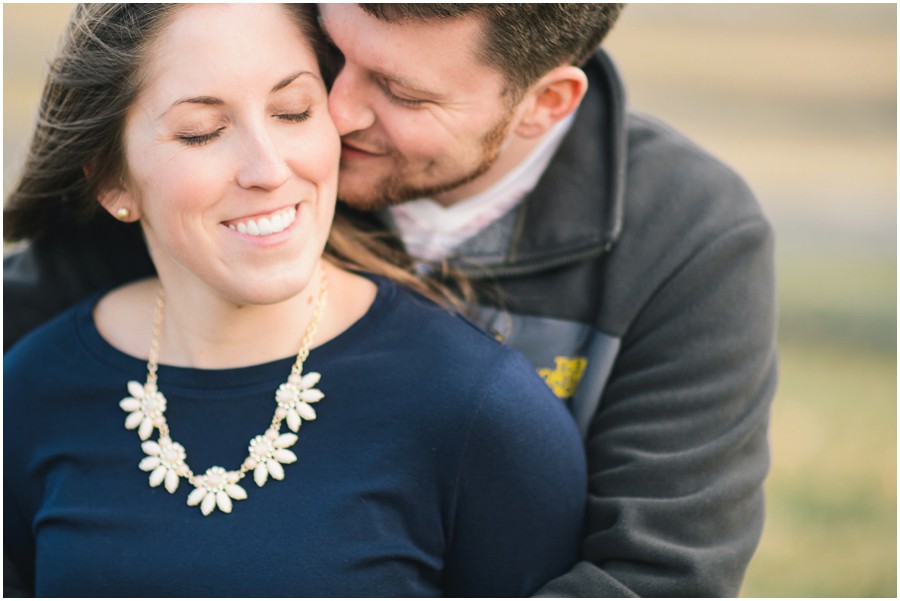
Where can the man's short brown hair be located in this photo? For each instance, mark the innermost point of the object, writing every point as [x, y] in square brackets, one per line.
[522, 41]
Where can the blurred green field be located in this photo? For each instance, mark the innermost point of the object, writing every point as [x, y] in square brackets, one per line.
[801, 100]
[831, 528]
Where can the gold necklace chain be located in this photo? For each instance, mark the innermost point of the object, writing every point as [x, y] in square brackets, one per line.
[167, 460]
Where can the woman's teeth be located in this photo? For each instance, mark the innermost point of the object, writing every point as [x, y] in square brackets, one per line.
[264, 226]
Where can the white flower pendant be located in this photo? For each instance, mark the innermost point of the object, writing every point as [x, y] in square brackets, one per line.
[267, 453]
[165, 462]
[294, 398]
[145, 408]
[216, 489]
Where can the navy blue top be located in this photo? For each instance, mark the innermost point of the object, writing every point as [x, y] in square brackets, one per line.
[439, 464]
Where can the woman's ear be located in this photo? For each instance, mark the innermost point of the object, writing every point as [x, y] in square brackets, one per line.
[553, 98]
[116, 200]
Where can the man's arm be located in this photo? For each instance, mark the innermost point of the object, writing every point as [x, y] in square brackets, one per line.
[678, 449]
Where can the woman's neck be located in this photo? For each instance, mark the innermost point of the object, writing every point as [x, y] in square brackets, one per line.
[203, 330]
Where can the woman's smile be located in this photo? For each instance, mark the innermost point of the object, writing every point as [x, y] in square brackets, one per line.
[264, 224]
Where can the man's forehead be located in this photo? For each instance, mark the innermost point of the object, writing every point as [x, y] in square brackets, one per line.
[414, 53]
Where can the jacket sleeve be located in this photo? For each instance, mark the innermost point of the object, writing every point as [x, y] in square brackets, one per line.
[13, 585]
[677, 451]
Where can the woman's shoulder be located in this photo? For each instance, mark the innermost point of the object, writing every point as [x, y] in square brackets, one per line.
[68, 341]
[44, 358]
[454, 359]
[412, 311]
[57, 333]
[418, 329]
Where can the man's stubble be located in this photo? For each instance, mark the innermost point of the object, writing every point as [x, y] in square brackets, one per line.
[396, 187]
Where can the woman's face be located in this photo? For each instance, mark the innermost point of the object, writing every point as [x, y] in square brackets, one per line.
[232, 156]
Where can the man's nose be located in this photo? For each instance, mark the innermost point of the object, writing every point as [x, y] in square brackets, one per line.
[349, 102]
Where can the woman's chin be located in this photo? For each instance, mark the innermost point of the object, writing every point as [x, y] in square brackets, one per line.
[259, 289]
[271, 295]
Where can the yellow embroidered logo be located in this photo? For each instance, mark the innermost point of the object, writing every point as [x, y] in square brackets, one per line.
[563, 380]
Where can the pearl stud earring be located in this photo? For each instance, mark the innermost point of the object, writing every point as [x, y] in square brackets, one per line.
[122, 213]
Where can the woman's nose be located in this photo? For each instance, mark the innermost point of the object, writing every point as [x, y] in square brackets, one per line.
[262, 165]
[348, 102]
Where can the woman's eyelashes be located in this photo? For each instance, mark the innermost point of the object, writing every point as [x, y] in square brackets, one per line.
[294, 117]
[199, 139]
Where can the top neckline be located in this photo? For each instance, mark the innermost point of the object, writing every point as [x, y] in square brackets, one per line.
[245, 377]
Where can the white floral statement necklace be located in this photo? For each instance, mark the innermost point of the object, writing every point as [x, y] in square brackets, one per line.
[166, 460]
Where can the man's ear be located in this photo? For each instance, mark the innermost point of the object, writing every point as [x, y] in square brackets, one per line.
[553, 98]
[116, 200]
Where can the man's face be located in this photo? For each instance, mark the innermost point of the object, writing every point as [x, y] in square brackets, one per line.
[419, 115]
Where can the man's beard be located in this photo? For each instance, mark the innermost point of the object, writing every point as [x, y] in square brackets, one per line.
[396, 189]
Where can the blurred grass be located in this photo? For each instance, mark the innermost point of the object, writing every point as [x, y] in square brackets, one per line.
[831, 527]
[844, 300]
[802, 100]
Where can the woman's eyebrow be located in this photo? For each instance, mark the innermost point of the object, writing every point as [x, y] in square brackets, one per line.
[290, 79]
[204, 100]
[213, 101]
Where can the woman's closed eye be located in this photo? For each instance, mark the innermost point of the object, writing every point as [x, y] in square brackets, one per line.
[294, 117]
[192, 139]
[199, 139]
